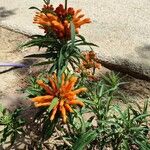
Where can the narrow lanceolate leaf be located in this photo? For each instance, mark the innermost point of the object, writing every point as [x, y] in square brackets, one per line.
[87, 43]
[145, 107]
[43, 63]
[40, 41]
[81, 37]
[35, 8]
[48, 128]
[84, 140]
[53, 104]
[143, 116]
[86, 101]
[72, 35]
[43, 55]
[60, 59]
[139, 129]
[47, 1]
[1, 108]
[52, 69]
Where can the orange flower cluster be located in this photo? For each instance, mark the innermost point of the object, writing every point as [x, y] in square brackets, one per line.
[47, 8]
[58, 20]
[66, 94]
[90, 62]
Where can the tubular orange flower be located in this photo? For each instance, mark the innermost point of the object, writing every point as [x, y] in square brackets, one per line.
[92, 60]
[66, 94]
[44, 86]
[77, 19]
[89, 65]
[59, 20]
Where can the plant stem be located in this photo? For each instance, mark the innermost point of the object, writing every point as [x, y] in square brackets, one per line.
[93, 73]
[66, 4]
[60, 135]
[69, 129]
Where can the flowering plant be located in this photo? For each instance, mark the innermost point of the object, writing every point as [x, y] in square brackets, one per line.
[65, 95]
[62, 39]
[69, 81]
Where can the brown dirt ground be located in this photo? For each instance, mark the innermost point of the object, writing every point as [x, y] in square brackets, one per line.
[13, 79]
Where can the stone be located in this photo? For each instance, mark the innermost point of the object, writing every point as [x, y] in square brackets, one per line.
[120, 28]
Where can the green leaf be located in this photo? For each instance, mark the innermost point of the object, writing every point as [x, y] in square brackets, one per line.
[81, 37]
[6, 133]
[81, 119]
[145, 107]
[87, 101]
[60, 62]
[13, 138]
[39, 113]
[1, 108]
[143, 116]
[46, 1]
[84, 140]
[48, 128]
[35, 8]
[125, 145]
[87, 43]
[72, 35]
[139, 129]
[43, 63]
[52, 69]
[32, 92]
[44, 55]
[143, 145]
[117, 108]
[101, 90]
[41, 41]
[53, 104]
[16, 113]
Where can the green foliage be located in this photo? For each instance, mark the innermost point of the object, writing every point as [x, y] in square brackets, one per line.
[129, 128]
[34, 89]
[46, 1]
[114, 127]
[35, 8]
[107, 124]
[48, 129]
[53, 104]
[59, 53]
[12, 124]
[113, 81]
[85, 139]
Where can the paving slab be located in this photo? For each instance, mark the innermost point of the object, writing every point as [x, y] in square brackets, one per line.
[120, 28]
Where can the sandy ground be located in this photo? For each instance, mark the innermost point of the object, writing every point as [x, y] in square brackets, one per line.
[13, 79]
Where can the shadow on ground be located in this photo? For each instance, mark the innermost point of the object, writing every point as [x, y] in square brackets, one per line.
[32, 131]
[4, 13]
[144, 51]
[18, 97]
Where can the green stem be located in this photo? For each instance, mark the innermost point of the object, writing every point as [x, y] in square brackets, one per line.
[93, 73]
[66, 4]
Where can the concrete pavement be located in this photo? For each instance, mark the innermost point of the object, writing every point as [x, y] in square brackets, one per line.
[120, 28]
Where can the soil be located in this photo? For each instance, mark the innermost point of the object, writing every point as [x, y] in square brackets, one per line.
[13, 79]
